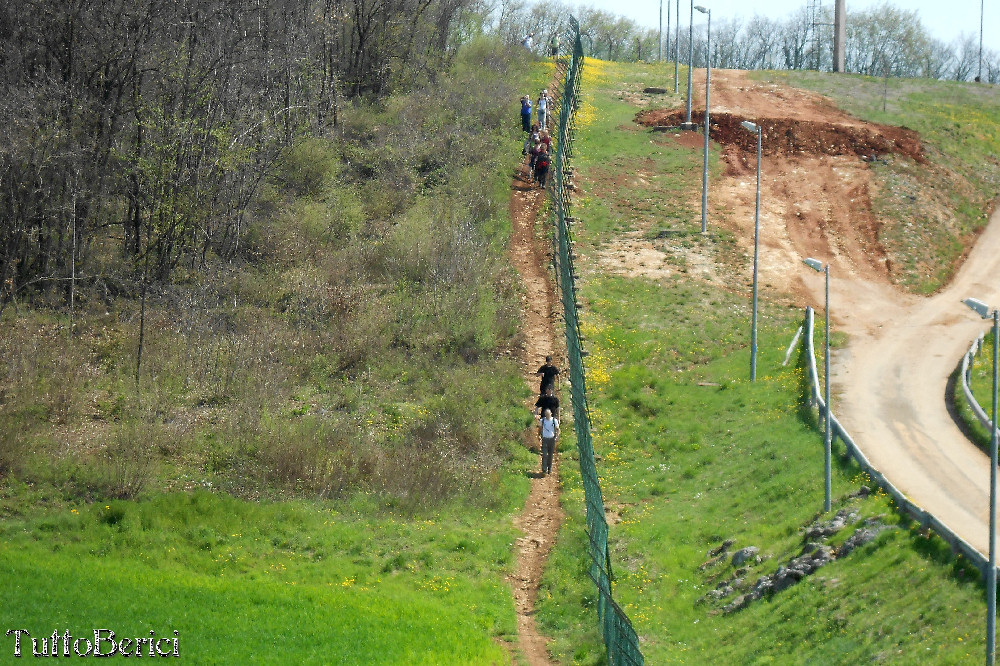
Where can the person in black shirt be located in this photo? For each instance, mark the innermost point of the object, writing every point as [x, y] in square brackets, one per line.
[549, 401]
[548, 374]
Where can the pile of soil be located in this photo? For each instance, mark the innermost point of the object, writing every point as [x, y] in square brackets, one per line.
[789, 136]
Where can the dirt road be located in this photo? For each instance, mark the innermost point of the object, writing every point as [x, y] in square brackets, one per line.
[890, 385]
[889, 382]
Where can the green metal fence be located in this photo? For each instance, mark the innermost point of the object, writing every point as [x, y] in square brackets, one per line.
[619, 636]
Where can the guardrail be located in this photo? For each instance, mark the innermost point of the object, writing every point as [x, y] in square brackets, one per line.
[966, 372]
[620, 639]
[907, 506]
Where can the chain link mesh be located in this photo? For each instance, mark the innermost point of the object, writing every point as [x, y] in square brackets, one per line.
[620, 638]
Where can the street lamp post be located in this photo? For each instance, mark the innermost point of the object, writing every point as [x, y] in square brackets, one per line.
[690, 62]
[991, 571]
[818, 266]
[708, 77]
[979, 78]
[756, 246]
[677, 44]
[659, 42]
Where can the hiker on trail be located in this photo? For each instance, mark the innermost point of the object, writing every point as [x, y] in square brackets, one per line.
[554, 45]
[543, 137]
[542, 170]
[526, 42]
[543, 109]
[526, 113]
[548, 431]
[548, 401]
[548, 373]
[534, 151]
[531, 141]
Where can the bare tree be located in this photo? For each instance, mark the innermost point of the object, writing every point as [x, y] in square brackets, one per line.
[965, 64]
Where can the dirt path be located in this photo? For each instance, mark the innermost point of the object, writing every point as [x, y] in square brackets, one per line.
[542, 514]
[890, 381]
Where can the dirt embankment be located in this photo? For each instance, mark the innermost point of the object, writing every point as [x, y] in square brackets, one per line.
[792, 136]
[816, 182]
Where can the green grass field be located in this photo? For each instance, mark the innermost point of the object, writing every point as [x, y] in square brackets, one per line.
[265, 583]
[692, 454]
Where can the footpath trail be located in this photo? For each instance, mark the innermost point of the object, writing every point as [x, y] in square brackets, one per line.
[542, 514]
[890, 381]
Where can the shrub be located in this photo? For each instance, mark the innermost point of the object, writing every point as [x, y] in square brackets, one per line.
[127, 461]
[13, 444]
[307, 166]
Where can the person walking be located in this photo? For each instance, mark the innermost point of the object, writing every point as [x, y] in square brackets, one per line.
[548, 431]
[543, 137]
[542, 164]
[530, 142]
[526, 113]
[554, 45]
[536, 148]
[543, 110]
[548, 373]
[549, 401]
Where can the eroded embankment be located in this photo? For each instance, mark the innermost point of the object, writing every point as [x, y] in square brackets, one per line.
[789, 136]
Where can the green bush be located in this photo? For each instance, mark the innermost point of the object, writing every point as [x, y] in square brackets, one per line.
[307, 167]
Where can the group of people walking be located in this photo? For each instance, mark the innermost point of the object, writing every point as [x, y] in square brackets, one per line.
[547, 413]
[538, 145]
[529, 42]
[541, 110]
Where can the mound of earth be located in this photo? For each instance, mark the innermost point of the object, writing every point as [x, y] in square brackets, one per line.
[791, 136]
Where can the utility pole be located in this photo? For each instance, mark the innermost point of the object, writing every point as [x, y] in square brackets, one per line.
[659, 42]
[839, 34]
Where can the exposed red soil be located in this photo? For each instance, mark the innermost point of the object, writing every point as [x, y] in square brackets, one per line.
[816, 185]
[792, 136]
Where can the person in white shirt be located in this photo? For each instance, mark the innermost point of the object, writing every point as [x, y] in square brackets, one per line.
[548, 431]
[543, 109]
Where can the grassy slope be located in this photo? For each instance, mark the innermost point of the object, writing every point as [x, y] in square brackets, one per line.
[397, 568]
[280, 583]
[692, 454]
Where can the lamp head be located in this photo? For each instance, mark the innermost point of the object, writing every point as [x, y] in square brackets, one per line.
[814, 264]
[703, 10]
[747, 125]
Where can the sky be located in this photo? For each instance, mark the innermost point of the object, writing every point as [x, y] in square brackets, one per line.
[944, 20]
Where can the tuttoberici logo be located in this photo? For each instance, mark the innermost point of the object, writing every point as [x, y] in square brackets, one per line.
[103, 645]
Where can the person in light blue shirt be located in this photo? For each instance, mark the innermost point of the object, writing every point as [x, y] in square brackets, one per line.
[548, 431]
[543, 109]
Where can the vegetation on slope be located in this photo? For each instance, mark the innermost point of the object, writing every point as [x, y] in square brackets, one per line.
[320, 454]
[693, 455]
